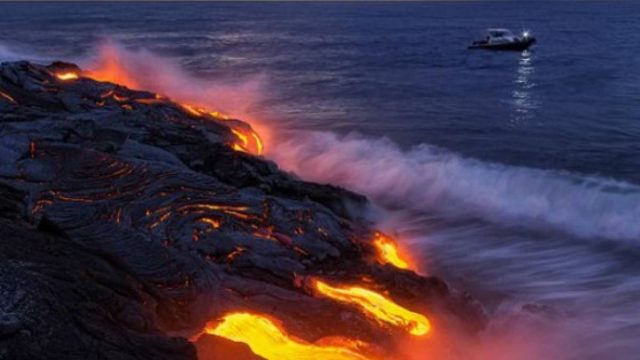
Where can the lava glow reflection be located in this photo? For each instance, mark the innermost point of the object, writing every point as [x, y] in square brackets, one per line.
[110, 67]
[377, 306]
[270, 341]
[388, 251]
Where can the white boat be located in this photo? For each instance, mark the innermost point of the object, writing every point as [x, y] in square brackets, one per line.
[504, 39]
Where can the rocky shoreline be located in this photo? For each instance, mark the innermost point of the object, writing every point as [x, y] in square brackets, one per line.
[130, 221]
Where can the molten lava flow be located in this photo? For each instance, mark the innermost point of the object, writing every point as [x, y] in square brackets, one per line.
[219, 115]
[67, 76]
[235, 253]
[248, 140]
[213, 223]
[388, 251]
[8, 97]
[258, 141]
[243, 138]
[192, 110]
[120, 98]
[112, 67]
[270, 341]
[239, 211]
[377, 306]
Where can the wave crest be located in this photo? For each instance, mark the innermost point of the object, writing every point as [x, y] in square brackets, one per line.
[429, 179]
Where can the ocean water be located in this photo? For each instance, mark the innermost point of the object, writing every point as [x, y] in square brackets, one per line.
[513, 175]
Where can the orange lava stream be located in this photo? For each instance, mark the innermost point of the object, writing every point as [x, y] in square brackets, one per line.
[215, 224]
[243, 138]
[377, 306]
[247, 140]
[270, 341]
[192, 110]
[67, 76]
[8, 97]
[388, 251]
[258, 142]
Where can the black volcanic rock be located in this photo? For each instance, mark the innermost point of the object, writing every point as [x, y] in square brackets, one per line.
[127, 223]
[60, 301]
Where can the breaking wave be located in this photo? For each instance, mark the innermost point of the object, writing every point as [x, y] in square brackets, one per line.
[426, 178]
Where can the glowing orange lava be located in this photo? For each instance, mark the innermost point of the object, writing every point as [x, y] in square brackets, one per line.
[192, 110]
[269, 340]
[214, 223]
[248, 140]
[111, 67]
[242, 137]
[388, 251]
[120, 98]
[377, 306]
[219, 115]
[67, 76]
[8, 97]
[258, 142]
[149, 101]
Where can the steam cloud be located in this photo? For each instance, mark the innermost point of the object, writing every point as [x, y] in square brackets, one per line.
[148, 71]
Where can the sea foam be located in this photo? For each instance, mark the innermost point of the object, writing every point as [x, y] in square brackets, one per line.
[426, 178]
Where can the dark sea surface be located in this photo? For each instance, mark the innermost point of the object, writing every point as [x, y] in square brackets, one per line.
[514, 175]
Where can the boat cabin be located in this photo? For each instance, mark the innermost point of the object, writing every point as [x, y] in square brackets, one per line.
[496, 36]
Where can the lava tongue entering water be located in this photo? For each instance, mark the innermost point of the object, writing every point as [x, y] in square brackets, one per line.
[388, 251]
[270, 341]
[377, 306]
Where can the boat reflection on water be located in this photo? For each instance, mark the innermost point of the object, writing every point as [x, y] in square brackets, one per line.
[522, 98]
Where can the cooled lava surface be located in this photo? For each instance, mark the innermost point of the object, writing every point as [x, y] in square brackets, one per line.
[135, 227]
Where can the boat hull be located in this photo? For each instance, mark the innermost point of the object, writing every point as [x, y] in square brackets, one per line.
[520, 45]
